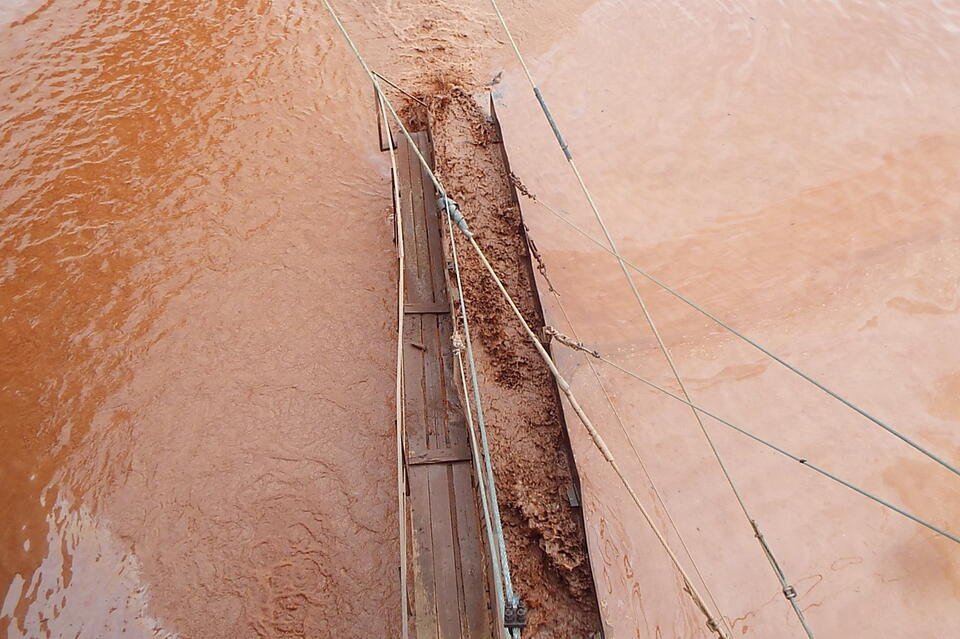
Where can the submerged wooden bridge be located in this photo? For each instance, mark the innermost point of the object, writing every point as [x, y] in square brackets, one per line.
[456, 574]
[450, 595]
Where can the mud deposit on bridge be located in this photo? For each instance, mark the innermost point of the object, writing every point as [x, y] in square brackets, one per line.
[545, 538]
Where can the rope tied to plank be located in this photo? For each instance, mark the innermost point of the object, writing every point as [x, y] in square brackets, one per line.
[570, 342]
[447, 203]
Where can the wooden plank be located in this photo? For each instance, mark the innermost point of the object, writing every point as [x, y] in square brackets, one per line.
[422, 287]
[411, 567]
[447, 554]
[424, 590]
[410, 187]
[433, 383]
[385, 133]
[437, 258]
[426, 307]
[538, 307]
[477, 620]
[445, 559]
[414, 403]
[409, 231]
[440, 455]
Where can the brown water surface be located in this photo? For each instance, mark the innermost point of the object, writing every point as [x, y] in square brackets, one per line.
[195, 403]
[794, 168]
[196, 283]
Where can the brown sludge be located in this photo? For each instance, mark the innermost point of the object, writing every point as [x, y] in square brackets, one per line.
[545, 538]
[195, 298]
[195, 377]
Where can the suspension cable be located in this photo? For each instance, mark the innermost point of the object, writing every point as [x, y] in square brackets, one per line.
[640, 462]
[664, 350]
[400, 89]
[613, 251]
[598, 440]
[802, 460]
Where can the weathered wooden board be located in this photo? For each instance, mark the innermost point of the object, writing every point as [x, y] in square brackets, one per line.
[448, 559]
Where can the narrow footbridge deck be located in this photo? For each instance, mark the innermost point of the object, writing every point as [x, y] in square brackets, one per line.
[450, 591]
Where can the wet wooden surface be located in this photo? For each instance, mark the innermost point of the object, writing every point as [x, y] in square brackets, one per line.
[450, 596]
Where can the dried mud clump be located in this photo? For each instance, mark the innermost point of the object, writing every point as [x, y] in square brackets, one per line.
[544, 533]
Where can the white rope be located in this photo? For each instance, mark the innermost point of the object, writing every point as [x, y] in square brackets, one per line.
[401, 473]
[599, 442]
[640, 462]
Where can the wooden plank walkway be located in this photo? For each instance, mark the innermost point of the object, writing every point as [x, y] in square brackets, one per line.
[450, 597]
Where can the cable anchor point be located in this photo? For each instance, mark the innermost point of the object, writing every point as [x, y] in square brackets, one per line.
[515, 615]
[569, 342]
[453, 210]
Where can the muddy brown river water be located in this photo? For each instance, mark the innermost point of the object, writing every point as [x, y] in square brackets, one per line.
[197, 287]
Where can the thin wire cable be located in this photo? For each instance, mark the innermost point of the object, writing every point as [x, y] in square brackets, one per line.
[488, 464]
[643, 466]
[401, 475]
[475, 450]
[662, 285]
[620, 259]
[504, 563]
[409, 95]
[665, 351]
[689, 586]
[598, 440]
[760, 440]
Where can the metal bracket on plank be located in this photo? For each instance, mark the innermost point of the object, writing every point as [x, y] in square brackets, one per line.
[515, 616]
